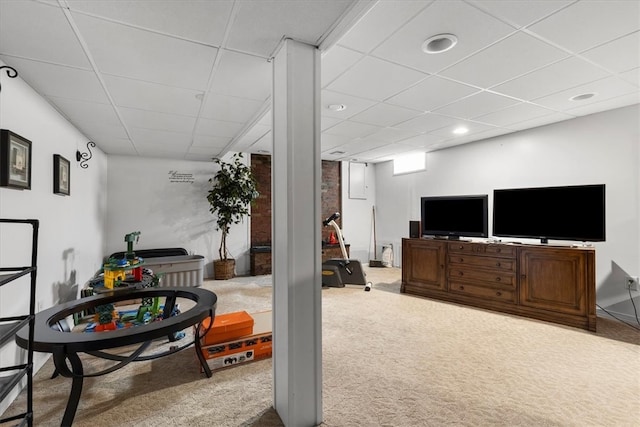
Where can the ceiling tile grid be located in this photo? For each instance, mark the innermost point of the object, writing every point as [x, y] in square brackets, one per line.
[192, 79]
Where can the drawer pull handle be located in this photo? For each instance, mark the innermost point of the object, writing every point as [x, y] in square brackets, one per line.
[461, 288]
[497, 264]
[498, 279]
[461, 259]
[460, 247]
[498, 293]
[460, 273]
[499, 250]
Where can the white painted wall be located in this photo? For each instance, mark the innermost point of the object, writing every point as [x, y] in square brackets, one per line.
[71, 240]
[594, 149]
[169, 211]
[357, 225]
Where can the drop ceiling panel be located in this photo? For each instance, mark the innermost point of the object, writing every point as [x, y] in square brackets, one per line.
[509, 58]
[203, 21]
[154, 120]
[632, 76]
[326, 122]
[336, 61]
[476, 105]
[152, 97]
[385, 115]
[124, 51]
[432, 93]
[244, 76]
[91, 115]
[39, 31]
[215, 142]
[330, 141]
[606, 88]
[586, 24]
[359, 145]
[218, 128]
[609, 54]
[117, 146]
[391, 134]
[354, 104]
[60, 81]
[352, 129]
[165, 141]
[541, 121]
[564, 74]
[427, 122]
[423, 141]
[381, 21]
[520, 13]
[369, 79]
[450, 16]
[230, 108]
[260, 25]
[514, 114]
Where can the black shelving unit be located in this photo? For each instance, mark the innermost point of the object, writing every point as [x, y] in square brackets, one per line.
[9, 326]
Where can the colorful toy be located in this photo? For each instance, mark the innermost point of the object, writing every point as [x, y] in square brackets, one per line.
[116, 270]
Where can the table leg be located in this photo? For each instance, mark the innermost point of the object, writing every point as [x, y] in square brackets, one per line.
[169, 304]
[76, 375]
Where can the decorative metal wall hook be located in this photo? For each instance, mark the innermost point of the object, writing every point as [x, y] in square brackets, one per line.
[11, 72]
[83, 158]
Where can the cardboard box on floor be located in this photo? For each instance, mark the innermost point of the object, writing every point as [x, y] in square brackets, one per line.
[245, 349]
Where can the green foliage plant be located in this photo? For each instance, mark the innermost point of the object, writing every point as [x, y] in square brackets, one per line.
[233, 189]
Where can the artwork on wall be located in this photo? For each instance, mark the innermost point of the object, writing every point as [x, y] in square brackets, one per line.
[15, 161]
[61, 175]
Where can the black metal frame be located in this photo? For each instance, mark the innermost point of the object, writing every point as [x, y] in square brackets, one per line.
[11, 325]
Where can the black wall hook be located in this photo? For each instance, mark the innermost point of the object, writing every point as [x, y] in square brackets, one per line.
[11, 72]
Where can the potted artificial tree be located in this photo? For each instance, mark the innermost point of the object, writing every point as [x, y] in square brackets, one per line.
[233, 189]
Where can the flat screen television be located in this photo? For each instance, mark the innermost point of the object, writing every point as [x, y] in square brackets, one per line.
[562, 213]
[454, 216]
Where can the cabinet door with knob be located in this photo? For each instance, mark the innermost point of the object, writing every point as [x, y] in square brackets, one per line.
[558, 280]
[423, 266]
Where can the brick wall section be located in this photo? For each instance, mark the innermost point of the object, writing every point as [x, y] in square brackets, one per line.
[261, 209]
[331, 201]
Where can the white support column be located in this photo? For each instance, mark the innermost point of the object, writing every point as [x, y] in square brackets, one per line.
[296, 239]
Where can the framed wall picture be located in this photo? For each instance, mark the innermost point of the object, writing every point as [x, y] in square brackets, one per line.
[15, 161]
[61, 175]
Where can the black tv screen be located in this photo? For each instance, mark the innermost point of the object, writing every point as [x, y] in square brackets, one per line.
[562, 213]
[454, 216]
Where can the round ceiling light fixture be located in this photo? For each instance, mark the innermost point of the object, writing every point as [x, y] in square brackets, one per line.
[582, 96]
[337, 107]
[460, 130]
[439, 43]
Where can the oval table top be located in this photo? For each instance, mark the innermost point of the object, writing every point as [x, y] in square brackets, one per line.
[48, 337]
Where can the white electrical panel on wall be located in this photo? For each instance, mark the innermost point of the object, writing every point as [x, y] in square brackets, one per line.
[357, 181]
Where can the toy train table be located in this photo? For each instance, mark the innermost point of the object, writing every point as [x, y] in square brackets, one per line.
[50, 338]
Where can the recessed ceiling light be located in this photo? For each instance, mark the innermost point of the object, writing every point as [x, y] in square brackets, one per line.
[582, 96]
[460, 130]
[337, 107]
[439, 43]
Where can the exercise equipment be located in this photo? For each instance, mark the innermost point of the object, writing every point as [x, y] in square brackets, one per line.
[337, 272]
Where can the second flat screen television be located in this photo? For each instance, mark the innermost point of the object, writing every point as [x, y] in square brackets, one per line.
[454, 216]
[564, 213]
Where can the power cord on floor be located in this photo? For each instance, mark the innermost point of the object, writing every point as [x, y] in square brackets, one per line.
[620, 320]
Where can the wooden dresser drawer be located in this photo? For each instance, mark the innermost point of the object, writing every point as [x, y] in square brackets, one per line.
[482, 291]
[489, 249]
[507, 279]
[497, 264]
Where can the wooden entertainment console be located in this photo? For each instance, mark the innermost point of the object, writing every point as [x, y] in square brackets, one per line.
[550, 283]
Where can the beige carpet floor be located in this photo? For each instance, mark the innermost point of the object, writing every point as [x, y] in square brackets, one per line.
[388, 360]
